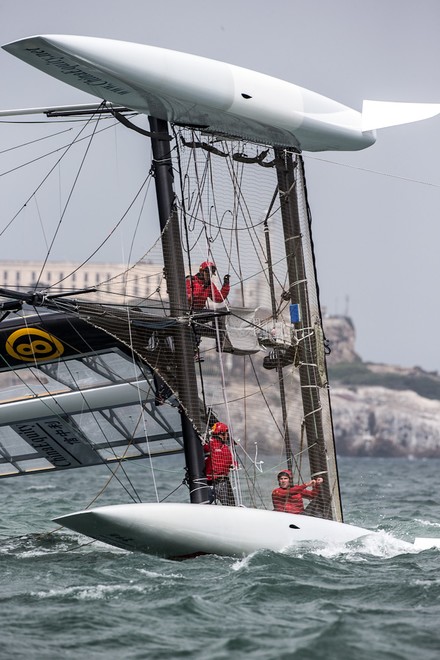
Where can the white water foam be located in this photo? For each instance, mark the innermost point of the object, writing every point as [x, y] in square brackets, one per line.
[427, 523]
[243, 562]
[376, 544]
[162, 576]
[91, 592]
[39, 487]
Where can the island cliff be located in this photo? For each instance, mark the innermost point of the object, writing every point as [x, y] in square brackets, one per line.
[380, 410]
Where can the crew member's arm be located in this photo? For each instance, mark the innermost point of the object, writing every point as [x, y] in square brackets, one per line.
[310, 494]
[220, 296]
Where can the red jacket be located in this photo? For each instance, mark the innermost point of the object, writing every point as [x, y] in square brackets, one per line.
[218, 459]
[198, 292]
[290, 499]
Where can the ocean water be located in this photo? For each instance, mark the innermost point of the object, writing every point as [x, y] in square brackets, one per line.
[64, 597]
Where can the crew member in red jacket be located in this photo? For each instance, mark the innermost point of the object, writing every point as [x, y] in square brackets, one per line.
[218, 462]
[200, 287]
[289, 498]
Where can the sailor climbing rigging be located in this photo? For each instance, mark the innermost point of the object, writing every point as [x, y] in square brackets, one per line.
[200, 287]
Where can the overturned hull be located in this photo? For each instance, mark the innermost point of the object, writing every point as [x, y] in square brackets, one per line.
[186, 530]
[191, 90]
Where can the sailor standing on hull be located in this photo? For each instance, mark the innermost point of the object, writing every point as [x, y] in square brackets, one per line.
[218, 462]
[289, 498]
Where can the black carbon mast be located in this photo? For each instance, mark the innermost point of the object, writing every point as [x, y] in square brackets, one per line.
[311, 363]
[179, 309]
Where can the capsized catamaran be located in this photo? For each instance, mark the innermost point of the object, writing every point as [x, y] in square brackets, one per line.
[100, 383]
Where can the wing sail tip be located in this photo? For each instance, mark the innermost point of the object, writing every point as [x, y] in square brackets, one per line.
[384, 114]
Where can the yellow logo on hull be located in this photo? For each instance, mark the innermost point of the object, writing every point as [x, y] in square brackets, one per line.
[33, 345]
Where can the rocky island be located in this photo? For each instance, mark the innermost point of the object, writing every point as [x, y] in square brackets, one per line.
[380, 410]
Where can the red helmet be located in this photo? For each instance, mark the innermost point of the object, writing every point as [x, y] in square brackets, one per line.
[219, 427]
[286, 472]
[208, 265]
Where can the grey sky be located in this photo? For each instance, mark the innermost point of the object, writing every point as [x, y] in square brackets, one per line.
[375, 213]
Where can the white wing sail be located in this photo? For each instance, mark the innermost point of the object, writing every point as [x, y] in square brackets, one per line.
[382, 114]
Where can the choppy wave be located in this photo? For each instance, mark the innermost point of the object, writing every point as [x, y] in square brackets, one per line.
[377, 597]
[90, 592]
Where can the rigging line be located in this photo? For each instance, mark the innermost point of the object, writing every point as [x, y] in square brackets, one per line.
[26, 144]
[251, 460]
[113, 475]
[366, 169]
[59, 116]
[255, 225]
[252, 483]
[266, 402]
[55, 119]
[202, 380]
[200, 180]
[194, 200]
[330, 444]
[81, 394]
[117, 423]
[141, 404]
[142, 359]
[256, 240]
[69, 197]
[245, 423]
[173, 491]
[119, 222]
[297, 456]
[42, 535]
[141, 301]
[141, 259]
[54, 151]
[228, 412]
[236, 175]
[233, 178]
[254, 490]
[93, 353]
[204, 186]
[41, 222]
[200, 187]
[80, 545]
[226, 403]
[210, 190]
[220, 226]
[242, 205]
[182, 201]
[130, 252]
[66, 148]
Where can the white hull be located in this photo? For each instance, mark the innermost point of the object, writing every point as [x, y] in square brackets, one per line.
[193, 90]
[185, 530]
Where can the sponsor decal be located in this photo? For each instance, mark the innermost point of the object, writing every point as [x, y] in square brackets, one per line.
[33, 345]
[59, 441]
[43, 444]
[74, 71]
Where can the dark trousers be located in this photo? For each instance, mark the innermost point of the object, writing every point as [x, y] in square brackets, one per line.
[222, 491]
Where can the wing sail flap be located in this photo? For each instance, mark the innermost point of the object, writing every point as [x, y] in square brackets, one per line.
[68, 441]
[76, 399]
